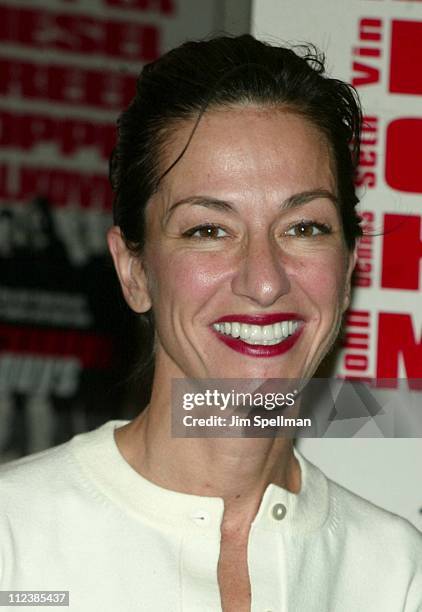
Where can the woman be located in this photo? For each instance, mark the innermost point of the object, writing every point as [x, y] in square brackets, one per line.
[235, 223]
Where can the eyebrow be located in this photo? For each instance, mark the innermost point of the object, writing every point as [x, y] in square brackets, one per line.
[297, 199]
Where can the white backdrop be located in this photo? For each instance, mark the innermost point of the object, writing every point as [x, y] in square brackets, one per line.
[377, 46]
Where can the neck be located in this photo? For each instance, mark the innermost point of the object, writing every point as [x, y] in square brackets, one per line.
[238, 470]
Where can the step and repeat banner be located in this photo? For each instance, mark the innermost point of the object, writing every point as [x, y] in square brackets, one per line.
[377, 46]
[67, 69]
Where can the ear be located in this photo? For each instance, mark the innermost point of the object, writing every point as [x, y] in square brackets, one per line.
[130, 271]
[352, 258]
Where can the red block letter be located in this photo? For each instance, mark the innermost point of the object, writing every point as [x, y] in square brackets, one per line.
[403, 166]
[406, 57]
[396, 337]
[402, 250]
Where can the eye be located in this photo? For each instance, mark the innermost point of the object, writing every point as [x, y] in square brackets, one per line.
[207, 231]
[308, 229]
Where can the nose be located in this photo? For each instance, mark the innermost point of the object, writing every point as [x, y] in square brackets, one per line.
[261, 275]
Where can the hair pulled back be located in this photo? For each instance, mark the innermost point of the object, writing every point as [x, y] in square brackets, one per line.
[228, 71]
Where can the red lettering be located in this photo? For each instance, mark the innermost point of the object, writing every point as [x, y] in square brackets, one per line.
[363, 274]
[166, 7]
[366, 379]
[403, 154]
[367, 158]
[79, 33]
[92, 350]
[365, 253]
[369, 129]
[98, 88]
[60, 187]
[364, 267]
[401, 252]
[366, 74]
[356, 343]
[370, 29]
[406, 56]
[362, 281]
[24, 131]
[367, 51]
[356, 362]
[357, 318]
[397, 338]
[368, 154]
[363, 73]
[356, 340]
[3, 179]
[365, 179]
[368, 216]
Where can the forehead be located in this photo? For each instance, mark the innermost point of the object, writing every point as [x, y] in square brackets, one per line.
[247, 152]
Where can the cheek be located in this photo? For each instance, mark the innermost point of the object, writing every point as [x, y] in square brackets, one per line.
[324, 282]
[185, 277]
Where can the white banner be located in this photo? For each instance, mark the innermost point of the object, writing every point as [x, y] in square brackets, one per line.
[377, 46]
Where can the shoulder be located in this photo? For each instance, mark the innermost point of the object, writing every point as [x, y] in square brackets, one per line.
[372, 553]
[51, 467]
[358, 524]
[31, 465]
[31, 491]
[56, 475]
[374, 527]
[33, 476]
[48, 474]
[380, 541]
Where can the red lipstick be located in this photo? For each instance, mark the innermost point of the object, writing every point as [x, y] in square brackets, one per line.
[260, 350]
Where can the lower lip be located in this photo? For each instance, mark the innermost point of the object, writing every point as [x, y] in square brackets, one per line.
[260, 350]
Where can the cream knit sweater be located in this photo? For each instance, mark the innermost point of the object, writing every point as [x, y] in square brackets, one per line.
[79, 518]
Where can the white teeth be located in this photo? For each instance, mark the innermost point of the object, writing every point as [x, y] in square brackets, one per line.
[245, 331]
[235, 330]
[258, 334]
[268, 332]
[255, 333]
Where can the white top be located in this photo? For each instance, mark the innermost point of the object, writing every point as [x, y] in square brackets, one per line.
[79, 518]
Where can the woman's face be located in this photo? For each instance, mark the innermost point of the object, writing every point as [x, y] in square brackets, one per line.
[245, 259]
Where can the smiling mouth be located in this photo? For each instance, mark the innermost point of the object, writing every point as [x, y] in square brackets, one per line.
[262, 335]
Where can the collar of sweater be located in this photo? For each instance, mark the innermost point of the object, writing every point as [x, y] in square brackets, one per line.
[108, 474]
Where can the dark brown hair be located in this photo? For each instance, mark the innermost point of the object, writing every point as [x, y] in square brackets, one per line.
[226, 71]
